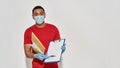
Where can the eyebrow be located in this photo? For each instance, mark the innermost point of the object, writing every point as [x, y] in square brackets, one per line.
[42, 12]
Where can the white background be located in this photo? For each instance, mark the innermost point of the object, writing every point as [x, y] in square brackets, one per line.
[91, 27]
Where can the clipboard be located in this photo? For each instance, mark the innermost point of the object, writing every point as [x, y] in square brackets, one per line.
[54, 51]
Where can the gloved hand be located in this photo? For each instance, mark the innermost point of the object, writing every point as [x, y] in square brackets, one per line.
[63, 47]
[40, 56]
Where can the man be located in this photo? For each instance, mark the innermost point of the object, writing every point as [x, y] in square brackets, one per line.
[45, 33]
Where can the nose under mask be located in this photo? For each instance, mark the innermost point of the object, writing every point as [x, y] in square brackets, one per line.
[39, 19]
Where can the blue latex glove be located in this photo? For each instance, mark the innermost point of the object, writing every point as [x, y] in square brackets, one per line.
[40, 56]
[63, 47]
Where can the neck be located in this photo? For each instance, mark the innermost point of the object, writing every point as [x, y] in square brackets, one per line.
[41, 25]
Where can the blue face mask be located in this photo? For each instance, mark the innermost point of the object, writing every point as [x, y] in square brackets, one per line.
[39, 19]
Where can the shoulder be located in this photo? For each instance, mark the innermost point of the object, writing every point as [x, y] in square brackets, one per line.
[51, 26]
[30, 28]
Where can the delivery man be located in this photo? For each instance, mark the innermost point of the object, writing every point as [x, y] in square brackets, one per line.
[45, 32]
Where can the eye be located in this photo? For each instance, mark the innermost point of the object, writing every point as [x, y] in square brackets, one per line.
[36, 14]
[39, 13]
[42, 13]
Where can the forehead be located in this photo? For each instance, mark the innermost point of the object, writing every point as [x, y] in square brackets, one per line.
[38, 11]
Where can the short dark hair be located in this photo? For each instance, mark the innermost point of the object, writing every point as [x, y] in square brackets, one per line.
[37, 7]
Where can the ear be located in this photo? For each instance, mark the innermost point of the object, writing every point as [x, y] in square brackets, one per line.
[33, 16]
[45, 15]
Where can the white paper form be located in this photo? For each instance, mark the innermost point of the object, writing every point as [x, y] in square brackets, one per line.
[55, 51]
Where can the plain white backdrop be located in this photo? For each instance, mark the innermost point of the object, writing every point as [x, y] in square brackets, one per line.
[91, 27]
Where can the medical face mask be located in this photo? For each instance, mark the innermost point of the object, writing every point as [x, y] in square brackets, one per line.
[39, 19]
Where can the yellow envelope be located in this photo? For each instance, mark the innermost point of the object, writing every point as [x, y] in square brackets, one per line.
[38, 46]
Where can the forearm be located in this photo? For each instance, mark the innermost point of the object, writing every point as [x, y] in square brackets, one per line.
[30, 55]
[28, 52]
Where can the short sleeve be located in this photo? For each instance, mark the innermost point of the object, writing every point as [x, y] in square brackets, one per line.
[57, 34]
[27, 37]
